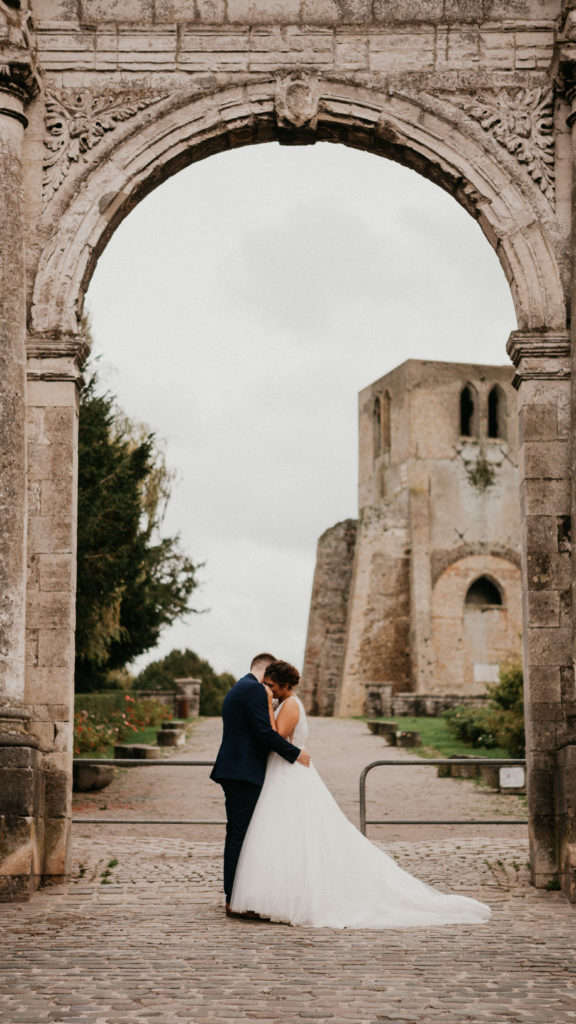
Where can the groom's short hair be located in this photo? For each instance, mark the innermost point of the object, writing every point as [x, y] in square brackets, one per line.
[261, 661]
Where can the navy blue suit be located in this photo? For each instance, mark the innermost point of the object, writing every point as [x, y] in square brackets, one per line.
[240, 765]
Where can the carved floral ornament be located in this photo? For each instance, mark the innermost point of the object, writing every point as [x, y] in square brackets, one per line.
[521, 120]
[76, 121]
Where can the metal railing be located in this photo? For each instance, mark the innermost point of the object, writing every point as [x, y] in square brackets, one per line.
[435, 762]
[123, 762]
[364, 821]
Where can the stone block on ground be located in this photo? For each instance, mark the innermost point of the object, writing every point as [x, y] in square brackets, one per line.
[138, 751]
[408, 739]
[171, 737]
[90, 777]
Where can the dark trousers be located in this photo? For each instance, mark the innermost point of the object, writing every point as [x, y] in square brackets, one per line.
[241, 799]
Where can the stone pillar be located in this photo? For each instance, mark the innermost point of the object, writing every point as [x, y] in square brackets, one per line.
[54, 377]
[20, 777]
[542, 362]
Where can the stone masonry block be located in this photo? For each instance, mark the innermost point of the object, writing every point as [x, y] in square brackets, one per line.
[49, 686]
[206, 11]
[42, 394]
[58, 794]
[272, 12]
[549, 646]
[117, 10]
[545, 460]
[58, 498]
[50, 712]
[49, 611]
[50, 461]
[541, 533]
[50, 534]
[412, 11]
[544, 682]
[59, 10]
[548, 571]
[321, 12]
[541, 788]
[538, 423]
[57, 848]
[398, 52]
[17, 791]
[60, 424]
[57, 572]
[16, 845]
[544, 607]
[549, 497]
[55, 648]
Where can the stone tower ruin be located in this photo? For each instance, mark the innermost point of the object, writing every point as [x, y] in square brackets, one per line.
[423, 593]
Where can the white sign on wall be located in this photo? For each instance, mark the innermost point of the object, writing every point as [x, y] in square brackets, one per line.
[512, 778]
[486, 672]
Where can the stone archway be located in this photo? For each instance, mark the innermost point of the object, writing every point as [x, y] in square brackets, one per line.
[123, 104]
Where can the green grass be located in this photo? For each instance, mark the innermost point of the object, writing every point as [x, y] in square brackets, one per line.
[439, 741]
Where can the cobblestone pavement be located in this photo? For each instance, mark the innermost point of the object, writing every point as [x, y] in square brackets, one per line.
[145, 939]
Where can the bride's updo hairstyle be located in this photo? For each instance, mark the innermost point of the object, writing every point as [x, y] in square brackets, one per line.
[282, 673]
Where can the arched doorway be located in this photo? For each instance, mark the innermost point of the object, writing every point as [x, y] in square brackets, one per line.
[108, 148]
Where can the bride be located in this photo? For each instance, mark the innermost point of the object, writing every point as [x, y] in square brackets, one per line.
[304, 863]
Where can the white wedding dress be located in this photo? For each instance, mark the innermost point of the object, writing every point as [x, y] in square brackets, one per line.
[304, 863]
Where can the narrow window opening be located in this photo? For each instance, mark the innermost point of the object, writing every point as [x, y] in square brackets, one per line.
[377, 426]
[496, 413]
[483, 592]
[385, 433]
[466, 412]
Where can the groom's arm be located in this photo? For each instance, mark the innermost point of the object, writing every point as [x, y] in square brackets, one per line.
[258, 717]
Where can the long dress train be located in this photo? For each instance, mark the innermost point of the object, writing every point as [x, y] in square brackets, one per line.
[304, 863]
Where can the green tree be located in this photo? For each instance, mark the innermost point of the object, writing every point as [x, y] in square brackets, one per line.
[131, 581]
[160, 675]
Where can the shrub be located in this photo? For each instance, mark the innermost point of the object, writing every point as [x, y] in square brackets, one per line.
[501, 721]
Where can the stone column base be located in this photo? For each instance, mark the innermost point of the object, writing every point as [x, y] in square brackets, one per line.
[21, 810]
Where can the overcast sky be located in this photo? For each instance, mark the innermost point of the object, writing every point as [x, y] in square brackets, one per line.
[238, 311]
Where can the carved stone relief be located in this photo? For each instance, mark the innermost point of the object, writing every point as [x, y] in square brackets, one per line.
[297, 98]
[76, 121]
[521, 120]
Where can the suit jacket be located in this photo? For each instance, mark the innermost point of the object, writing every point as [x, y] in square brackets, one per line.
[248, 737]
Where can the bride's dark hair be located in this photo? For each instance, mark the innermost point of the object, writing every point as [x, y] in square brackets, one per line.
[282, 673]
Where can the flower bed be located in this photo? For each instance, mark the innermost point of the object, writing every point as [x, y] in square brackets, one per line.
[96, 730]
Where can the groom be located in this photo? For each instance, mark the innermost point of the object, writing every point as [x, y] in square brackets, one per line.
[240, 766]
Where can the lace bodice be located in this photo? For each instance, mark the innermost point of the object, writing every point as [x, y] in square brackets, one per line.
[300, 734]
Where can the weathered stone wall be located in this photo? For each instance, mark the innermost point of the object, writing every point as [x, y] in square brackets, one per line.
[325, 642]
